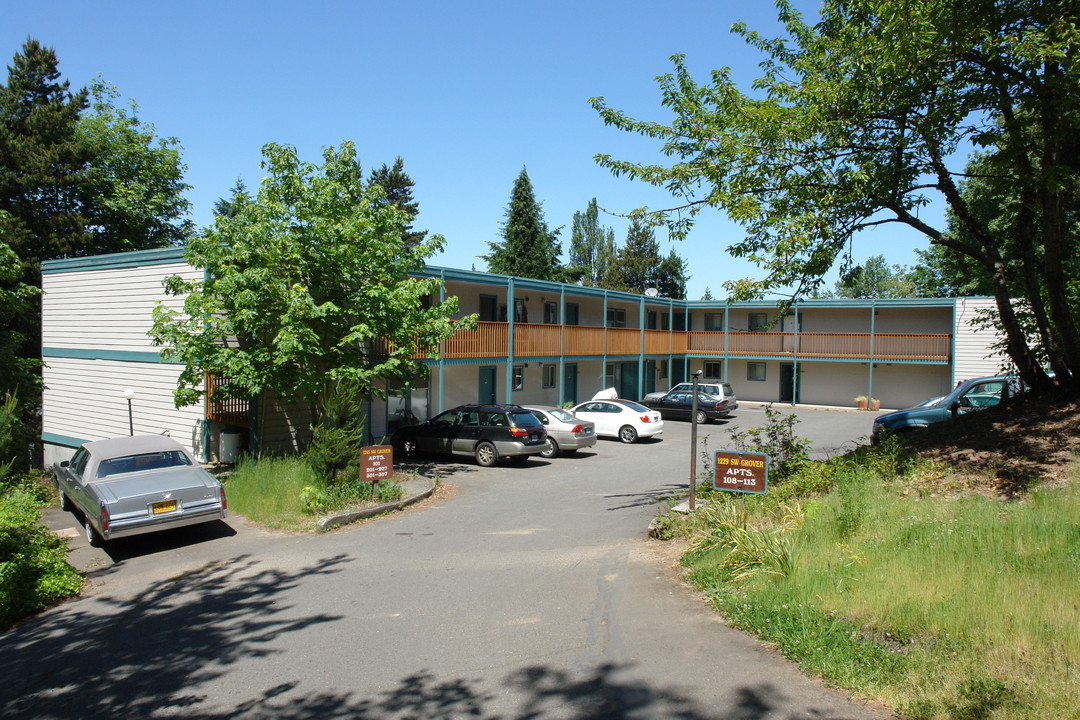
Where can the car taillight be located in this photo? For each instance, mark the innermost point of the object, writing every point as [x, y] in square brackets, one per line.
[644, 418]
[104, 521]
[224, 503]
[518, 432]
[577, 429]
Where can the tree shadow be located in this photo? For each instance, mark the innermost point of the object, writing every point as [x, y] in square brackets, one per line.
[627, 501]
[103, 657]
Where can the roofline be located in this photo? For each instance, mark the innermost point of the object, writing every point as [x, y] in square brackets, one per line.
[111, 261]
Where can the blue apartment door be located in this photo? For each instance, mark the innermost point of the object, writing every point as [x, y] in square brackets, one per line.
[569, 383]
[487, 385]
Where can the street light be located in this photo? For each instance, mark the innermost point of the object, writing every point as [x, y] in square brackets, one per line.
[129, 393]
[696, 375]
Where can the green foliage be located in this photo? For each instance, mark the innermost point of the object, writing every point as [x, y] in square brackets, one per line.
[397, 186]
[856, 121]
[592, 246]
[941, 607]
[309, 285]
[230, 206]
[528, 248]
[638, 266]
[33, 571]
[875, 279]
[335, 442]
[9, 419]
[133, 192]
[43, 161]
[788, 453]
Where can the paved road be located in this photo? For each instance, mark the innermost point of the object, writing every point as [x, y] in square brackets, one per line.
[531, 592]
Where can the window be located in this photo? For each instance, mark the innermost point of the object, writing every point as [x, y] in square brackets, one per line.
[755, 371]
[521, 312]
[662, 367]
[757, 321]
[616, 317]
[549, 376]
[489, 308]
[518, 378]
[551, 313]
[650, 322]
[571, 314]
[714, 370]
[714, 322]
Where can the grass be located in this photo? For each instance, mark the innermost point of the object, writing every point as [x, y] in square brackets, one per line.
[285, 493]
[941, 606]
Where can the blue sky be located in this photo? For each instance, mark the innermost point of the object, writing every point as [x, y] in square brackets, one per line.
[466, 93]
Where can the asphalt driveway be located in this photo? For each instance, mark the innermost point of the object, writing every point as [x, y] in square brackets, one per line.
[527, 592]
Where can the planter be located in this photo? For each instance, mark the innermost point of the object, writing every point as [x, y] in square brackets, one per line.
[861, 404]
[875, 404]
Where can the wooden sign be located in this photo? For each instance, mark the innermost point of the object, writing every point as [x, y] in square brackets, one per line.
[376, 463]
[741, 471]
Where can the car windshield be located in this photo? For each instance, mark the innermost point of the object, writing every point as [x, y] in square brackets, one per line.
[142, 463]
[633, 406]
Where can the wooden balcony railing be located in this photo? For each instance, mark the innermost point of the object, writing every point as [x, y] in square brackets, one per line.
[233, 411]
[491, 340]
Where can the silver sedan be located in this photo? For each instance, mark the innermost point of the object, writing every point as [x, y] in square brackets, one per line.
[567, 433]
[133, 485]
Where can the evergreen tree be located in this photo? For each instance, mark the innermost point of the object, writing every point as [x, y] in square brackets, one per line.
[637, 263]
[591, 245]
[231, 206]
[529, 249]
[43, 161]
[671, 277]
[708, 294]
[876, 279]
[398, 186]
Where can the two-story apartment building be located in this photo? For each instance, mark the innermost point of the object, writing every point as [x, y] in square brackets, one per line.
[536, 342]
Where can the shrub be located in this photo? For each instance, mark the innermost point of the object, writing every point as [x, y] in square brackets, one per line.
[33, 571]
[787, 452]
[334, 450]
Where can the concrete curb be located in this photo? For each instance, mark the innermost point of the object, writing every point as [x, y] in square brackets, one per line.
[415, 491]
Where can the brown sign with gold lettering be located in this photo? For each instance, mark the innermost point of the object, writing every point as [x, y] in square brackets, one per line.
[376, 463]
[741, 471]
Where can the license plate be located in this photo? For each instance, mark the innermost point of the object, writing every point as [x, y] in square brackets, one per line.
[164, 507]
[587, 431]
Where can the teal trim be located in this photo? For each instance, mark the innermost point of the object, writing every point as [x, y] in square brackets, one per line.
[54, 439]
[112, 261]
[149, 356]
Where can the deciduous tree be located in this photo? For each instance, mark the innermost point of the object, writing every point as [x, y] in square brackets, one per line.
[592, 246]
[308, 285]
[860, 120]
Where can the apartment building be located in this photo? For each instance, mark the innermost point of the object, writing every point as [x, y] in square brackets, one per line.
[536, 342]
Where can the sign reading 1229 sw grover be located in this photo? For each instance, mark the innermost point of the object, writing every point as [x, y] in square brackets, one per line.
[741, 471]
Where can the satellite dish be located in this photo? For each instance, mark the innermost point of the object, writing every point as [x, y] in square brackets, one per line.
[651, 292]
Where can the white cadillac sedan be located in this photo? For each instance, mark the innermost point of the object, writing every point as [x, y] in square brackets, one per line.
[623, 419]
[133, 485]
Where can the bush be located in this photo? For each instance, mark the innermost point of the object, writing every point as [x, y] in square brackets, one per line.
[33, 571]
[788, 453]
[335, 442]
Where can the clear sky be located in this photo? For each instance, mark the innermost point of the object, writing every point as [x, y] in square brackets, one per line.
[467, 93]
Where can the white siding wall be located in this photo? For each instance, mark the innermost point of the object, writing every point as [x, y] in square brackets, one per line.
[84, 399]
[106, 309]
[973, 355]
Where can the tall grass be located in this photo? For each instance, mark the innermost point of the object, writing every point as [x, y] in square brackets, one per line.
[285, 493]
[966, 607]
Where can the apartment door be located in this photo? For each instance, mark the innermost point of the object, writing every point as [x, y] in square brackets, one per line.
[487, 385]
[650, 376]
[569, 383]
[790, 387]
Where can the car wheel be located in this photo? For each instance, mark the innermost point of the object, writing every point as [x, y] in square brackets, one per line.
[486, 454]
[627, 434]
[92, 535]
[702, 417]
[552, 449]
[406, 448]
[65, 504]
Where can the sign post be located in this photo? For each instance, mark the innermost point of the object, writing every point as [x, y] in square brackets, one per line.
[745, 472]
[376, 463]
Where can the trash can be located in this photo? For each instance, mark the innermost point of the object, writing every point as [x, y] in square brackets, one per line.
[229, 445]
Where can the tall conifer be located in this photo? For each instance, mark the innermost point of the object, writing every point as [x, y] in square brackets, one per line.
[529, 248]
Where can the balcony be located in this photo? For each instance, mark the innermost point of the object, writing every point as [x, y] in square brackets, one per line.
[492, 340]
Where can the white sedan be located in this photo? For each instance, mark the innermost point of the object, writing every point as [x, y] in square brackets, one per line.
[621, 419]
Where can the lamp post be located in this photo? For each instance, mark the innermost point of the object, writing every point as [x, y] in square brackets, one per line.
[129, 393]
[693, 441]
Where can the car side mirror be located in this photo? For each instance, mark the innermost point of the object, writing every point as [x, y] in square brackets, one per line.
[65, 463]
